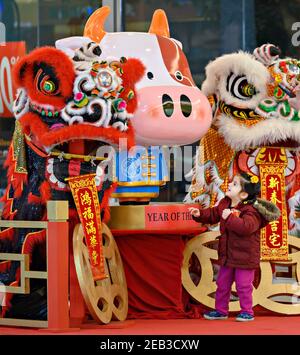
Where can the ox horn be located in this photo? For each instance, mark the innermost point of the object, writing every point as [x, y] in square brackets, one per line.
[95, 24]
[159, 24]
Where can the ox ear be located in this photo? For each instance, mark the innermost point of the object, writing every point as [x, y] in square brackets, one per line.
[94, 27]
[159, 24]
[177, 42]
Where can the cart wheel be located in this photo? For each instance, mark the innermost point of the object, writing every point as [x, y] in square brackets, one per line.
[106, 299]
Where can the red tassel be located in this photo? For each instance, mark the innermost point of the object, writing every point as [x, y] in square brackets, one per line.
[34, 199]
[45, 191]
[104, 203]
[4, 266]
[32, 240]
[7, 234]
[7, 298]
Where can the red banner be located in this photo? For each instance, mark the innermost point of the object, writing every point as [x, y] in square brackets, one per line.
[87, 203]
[274, 237]
[10, 53]
[174, 217]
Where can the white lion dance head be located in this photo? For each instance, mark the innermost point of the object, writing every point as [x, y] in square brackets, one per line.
[256, 101]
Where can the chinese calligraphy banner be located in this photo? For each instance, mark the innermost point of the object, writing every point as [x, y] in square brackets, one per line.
[274, 237]
[88, 207]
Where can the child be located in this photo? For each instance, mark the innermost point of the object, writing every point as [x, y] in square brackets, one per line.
[241, 215]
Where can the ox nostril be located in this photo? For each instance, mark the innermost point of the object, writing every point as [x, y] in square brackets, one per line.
[186, 105]
[168, 105]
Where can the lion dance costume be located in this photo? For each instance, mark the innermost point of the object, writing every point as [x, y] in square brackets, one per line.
[256, 129]
[62, 103]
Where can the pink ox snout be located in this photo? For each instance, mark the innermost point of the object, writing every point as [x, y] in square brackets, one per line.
[167, 115]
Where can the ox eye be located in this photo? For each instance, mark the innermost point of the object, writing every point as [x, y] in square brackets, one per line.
[178, 75]
[239, 87]
[150, 75]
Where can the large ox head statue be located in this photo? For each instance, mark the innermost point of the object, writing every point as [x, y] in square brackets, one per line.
[171, 109]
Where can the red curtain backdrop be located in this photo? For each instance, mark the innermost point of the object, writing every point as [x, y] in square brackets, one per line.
[152, 266]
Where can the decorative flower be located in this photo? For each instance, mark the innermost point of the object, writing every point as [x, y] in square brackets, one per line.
[80, 99]
[254, 179]
[119, 105]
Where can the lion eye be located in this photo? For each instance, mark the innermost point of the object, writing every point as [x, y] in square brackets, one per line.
[239, 87]
[248, 90]
[45, 83]
[48, 87]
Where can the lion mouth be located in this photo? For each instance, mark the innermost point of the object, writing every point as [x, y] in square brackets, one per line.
[56, 126]
[288, 143]
[84, 150]
[64, 163]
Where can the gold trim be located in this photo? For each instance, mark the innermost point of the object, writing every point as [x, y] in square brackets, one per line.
[133, 217]
[141, 183]
[24, 287]
[148, 174]
[245, 115]
[135, 194]
[24, 323]
[201, 247]
[58, 210]
[127, 217]
[12, 257]
[69, 156]
[24, 224]
[279, 158]
[285, 148]
[36, 274]
[144, 157]
[19, 151]
[111, 291]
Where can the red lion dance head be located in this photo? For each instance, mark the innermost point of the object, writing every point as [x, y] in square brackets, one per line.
[65, 110]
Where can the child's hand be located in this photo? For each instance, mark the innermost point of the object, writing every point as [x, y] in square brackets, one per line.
[226, 213]
[194, 211]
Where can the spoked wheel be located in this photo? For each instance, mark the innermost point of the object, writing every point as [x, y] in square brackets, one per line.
[106, 299]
